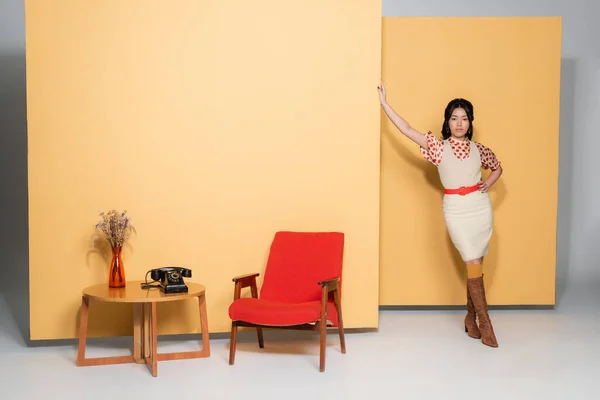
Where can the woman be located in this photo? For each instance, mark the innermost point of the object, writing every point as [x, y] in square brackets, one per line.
[466, 204]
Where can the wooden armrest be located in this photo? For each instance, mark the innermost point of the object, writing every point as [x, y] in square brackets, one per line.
[244, 281]
[242, 278]
[330, 284]
[329, 281]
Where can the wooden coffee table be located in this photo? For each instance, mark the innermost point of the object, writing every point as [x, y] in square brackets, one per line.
[144, 323]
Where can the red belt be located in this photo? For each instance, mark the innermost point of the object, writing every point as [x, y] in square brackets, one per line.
[463, 190]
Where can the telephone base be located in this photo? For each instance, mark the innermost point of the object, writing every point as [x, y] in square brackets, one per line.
[174, 288]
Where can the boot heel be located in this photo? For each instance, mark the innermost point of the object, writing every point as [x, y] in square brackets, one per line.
[466, 330]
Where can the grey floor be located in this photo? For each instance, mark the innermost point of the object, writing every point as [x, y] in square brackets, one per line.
[543, 354]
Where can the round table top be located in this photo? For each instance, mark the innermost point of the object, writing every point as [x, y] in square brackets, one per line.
[133, 293]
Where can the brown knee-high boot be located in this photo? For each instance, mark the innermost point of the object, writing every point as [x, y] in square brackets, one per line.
[470, 323]
[477, 290]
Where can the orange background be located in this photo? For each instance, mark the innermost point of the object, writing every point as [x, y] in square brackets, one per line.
[214, 130]
[509, 68]
[214, 124]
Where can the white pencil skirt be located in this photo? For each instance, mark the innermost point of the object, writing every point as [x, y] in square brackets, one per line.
[469, 220]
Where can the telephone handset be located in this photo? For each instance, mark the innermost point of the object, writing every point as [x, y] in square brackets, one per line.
[170, 279]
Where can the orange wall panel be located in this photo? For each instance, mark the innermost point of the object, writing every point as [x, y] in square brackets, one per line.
[214, 124]
[509, 68]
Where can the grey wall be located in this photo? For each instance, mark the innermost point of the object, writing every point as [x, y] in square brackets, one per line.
[578, 246]
[14, 259]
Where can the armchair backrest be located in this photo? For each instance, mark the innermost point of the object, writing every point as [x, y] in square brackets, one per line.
[298, 261]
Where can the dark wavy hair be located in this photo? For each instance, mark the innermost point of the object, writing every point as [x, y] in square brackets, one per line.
[453, 105]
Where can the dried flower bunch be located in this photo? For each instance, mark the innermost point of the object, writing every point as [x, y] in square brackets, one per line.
[115, 227]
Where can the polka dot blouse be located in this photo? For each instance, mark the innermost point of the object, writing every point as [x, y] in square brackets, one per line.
[460, 149]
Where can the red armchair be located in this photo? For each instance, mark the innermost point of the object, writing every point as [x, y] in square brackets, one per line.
[300, 290]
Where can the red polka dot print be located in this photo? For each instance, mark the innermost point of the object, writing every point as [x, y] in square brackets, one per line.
[460, 149]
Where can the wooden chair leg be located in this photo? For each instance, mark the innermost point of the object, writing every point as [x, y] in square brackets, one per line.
[323, 343]
[232, 343]
[323, 328]
[261, 342]
[338, 307]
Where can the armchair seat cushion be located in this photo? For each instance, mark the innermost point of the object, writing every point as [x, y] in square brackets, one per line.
[273, 313]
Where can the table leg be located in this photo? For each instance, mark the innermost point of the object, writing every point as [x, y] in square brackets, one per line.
[145, 331]
[152, 342]
[204, 325]
[138, 341]
[145, 339]
[83, 322]
[205, 352]
[82, 361]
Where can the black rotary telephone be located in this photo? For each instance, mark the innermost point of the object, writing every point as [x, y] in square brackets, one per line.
[170, 279]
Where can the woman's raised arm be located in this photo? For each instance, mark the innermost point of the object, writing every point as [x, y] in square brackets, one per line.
[400, 122]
